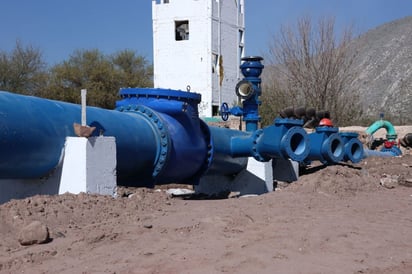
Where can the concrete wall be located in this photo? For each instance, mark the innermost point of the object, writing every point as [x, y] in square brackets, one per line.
[208, 61]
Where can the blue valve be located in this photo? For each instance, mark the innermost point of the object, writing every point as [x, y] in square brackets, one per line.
[224, 111]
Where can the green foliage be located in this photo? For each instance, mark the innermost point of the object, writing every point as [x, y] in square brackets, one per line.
[23, 70]
[101, 75]
[132, 70]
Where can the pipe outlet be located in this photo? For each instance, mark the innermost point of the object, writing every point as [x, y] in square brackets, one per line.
[326, 146]
[353, 148]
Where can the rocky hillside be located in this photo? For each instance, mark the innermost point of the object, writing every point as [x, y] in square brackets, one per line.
[384, 69]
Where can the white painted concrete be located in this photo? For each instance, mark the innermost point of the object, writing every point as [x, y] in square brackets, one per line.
[89, 165]
[257, 178]
[208, 61]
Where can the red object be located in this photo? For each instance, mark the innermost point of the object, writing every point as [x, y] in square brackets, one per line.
[389, 144]
[325, 122]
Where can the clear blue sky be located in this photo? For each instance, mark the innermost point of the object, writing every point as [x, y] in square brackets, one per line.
[58, 27]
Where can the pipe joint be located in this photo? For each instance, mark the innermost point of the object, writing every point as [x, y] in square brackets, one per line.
[284, 139]
[162, 136]
[326, 145]
[353, 148]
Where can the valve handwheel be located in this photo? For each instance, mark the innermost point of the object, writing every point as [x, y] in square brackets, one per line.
[224, 111]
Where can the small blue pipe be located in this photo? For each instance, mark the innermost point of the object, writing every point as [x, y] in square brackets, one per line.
[326, 146]
[377, 153]
[353, 148]
[284, 139]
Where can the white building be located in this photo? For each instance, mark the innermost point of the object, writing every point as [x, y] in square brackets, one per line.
[197, 45]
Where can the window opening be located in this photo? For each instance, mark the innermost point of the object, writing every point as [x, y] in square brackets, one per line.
[182, 30]
[214, 62]
[215, 111]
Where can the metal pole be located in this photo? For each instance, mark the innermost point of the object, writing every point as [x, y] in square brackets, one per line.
[83, 96]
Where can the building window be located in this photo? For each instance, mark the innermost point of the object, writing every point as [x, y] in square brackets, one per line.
[182, 30]
[215, 61]
[162, 1]
[215, 111]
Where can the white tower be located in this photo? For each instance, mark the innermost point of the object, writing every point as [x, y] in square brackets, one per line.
[197, 45]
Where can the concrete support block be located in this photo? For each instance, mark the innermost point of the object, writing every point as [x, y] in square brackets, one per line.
[89, 165]
[285, 170]
[257, 178]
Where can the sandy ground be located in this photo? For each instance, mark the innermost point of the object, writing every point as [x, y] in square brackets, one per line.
[348, 218]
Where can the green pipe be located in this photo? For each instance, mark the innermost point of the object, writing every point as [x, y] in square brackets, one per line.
[390, 129]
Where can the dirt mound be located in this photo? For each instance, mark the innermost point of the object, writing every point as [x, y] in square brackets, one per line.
[334, 219]
[349, 179]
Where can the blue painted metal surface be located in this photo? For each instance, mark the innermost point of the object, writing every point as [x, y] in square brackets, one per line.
[353, 148]
[249, 90]
[252, 68]
[285, 139]
[152, 147]
[392, 152]
[326, 146]
[159, 136]
[186, 153]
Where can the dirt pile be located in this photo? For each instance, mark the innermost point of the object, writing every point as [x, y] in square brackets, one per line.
[334, 219]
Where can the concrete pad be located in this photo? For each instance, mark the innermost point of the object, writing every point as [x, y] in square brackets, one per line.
[89, 165]
[255, 179]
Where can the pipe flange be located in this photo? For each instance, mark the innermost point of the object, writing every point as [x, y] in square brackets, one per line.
[295, 144]
[395, 151]
[208, 161]
[255, 152]
[353, 150]
[161, 128]
[333, 148]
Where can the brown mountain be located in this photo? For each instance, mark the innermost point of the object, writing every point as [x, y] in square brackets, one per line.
[384, 69]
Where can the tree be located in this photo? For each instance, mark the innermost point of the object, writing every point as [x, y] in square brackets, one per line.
[132, 70]
[101, 75]
[23, 70]
[310, 67]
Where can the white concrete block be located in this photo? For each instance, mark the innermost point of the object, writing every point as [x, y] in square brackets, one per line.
[257, 178]
[89, 165]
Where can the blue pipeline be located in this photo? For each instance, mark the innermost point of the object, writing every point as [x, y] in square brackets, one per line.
[392, 152]
[390, 129]
[285, 139]
[159, 137]
[152, 147]
[326, 146]
[353, 147]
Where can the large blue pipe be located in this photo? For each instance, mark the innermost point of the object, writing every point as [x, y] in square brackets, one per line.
[152, 147]
[159, 137]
